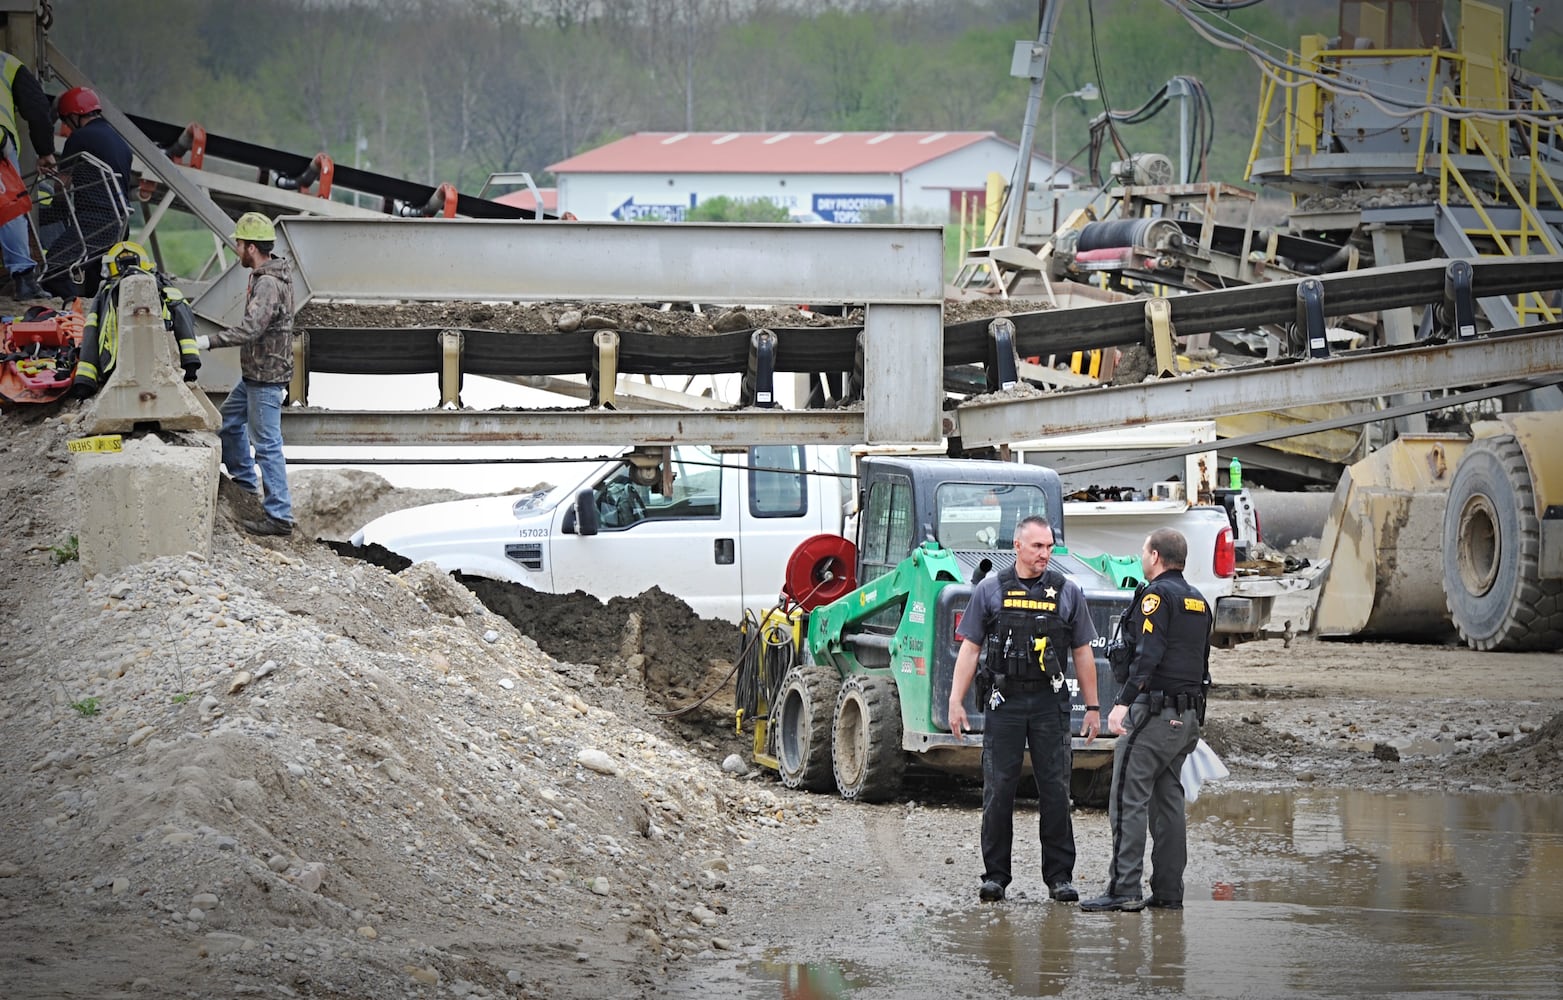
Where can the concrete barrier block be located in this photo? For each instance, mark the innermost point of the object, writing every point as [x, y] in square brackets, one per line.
[151, 499]
[147, 385]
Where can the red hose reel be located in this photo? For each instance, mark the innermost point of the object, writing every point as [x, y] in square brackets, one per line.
[820, 570]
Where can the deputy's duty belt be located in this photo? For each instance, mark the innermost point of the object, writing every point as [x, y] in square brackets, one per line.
[1159, 700]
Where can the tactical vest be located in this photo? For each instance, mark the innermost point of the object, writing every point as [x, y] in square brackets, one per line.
[1031, 641]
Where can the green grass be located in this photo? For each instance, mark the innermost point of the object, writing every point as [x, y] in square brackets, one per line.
[181, 252]
[67, 551]
[87, 706]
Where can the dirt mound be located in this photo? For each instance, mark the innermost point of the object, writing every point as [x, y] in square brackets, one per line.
[334, 503]
[277, 768]
[1534, 761]
[547, 317]
[650, 650]
[653, 644]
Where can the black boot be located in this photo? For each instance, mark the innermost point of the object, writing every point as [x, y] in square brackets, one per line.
[27, 286]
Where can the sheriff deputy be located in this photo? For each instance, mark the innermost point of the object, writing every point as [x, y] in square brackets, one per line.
[1157, 719]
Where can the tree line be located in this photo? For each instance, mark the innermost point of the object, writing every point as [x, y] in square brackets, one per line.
[451, 90]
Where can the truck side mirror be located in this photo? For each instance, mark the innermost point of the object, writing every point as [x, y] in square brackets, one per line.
[581, 518]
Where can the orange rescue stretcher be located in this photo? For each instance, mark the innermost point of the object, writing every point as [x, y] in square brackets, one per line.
[40, 353]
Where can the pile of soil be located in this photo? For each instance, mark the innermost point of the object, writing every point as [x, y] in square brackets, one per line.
[274, 768]
[547, 317]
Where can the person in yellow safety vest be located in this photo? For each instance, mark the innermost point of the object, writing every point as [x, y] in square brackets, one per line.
[100, 335]
[22, 102]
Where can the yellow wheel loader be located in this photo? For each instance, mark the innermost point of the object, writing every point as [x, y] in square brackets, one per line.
[1441, 534]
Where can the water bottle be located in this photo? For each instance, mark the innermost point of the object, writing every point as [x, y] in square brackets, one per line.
[1235, 474]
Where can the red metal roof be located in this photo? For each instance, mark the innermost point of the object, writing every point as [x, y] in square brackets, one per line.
[523, 199]
[769, 152]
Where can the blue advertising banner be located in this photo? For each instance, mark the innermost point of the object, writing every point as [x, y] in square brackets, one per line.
[629, 211]
[850, 207]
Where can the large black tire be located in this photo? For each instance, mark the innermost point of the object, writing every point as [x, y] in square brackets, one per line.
[1492, 545]
[802, 719]
[869, 760]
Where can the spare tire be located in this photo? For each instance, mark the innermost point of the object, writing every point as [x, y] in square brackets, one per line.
[1492, 547]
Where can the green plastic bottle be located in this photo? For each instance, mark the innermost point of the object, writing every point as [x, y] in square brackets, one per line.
[1235, 475]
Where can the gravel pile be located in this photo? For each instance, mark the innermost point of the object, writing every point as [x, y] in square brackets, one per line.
[283, 770]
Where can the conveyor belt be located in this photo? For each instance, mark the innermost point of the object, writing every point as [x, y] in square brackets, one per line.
[293, 164]
[409, 351]
[830, 349]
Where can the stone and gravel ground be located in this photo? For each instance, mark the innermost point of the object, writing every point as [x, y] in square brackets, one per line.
[282, 771]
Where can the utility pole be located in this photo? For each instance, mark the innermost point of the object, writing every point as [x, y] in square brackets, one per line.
[1029, 60]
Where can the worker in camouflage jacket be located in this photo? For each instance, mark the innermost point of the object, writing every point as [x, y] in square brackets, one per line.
[252, 413]
[100, 334]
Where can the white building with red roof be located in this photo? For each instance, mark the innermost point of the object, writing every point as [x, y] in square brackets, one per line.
[838, 176]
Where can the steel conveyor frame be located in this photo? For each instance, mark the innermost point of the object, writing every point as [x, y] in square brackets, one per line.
[896, 270]
[285, 164]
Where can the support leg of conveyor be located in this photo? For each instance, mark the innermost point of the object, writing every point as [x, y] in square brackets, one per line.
[605, 369]
[1002, 367]
[760, 380]
[298, 385]
[1158, 330]
[451, 343]
[1459, 303]
[854, 388]
[1310, 317]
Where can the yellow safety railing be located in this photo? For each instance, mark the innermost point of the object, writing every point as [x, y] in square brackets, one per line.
[1531, 227]
[1301, 127]
[1302, 108]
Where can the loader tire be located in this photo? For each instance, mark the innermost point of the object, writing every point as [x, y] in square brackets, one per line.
[869, 760]
[805, 711]
[1492, 545]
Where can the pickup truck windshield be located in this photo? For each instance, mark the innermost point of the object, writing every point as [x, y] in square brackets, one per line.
[979, 517]
[697, 492]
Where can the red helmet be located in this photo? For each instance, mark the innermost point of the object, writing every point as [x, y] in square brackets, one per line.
[79, 101]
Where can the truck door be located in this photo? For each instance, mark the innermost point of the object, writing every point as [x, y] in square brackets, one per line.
[686, 542]
[783, 506]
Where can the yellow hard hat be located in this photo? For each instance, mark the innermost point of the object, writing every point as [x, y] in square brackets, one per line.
[125, 255]
[254, 227]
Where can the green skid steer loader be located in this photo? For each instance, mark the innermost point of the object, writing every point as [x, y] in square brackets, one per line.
[849, 684]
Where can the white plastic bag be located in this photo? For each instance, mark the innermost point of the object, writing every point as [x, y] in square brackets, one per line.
[1199, 767]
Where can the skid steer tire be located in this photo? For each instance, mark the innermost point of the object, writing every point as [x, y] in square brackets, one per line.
[805, 711]
[1492, 544]
[867, 754]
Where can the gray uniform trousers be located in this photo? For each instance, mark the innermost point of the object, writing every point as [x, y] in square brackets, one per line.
[1147, 794]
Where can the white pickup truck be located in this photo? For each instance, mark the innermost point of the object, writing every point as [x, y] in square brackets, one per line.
[719, 531]
[718, 537]
[1191, 493]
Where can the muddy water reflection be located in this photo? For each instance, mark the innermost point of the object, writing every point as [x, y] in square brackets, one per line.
[1320, 893]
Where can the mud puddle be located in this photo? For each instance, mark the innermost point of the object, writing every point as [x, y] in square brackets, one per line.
[1292, 893]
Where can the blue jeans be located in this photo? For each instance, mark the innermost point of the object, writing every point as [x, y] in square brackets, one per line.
[15, 246]
[252, 415]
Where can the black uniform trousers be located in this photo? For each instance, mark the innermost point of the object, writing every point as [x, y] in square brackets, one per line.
[1038, 720]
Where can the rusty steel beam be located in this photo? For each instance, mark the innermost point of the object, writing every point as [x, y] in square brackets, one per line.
[306, 427]
[1059, 331]
[1199, 397]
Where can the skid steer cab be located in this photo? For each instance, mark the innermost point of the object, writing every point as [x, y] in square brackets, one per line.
[848, 682]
